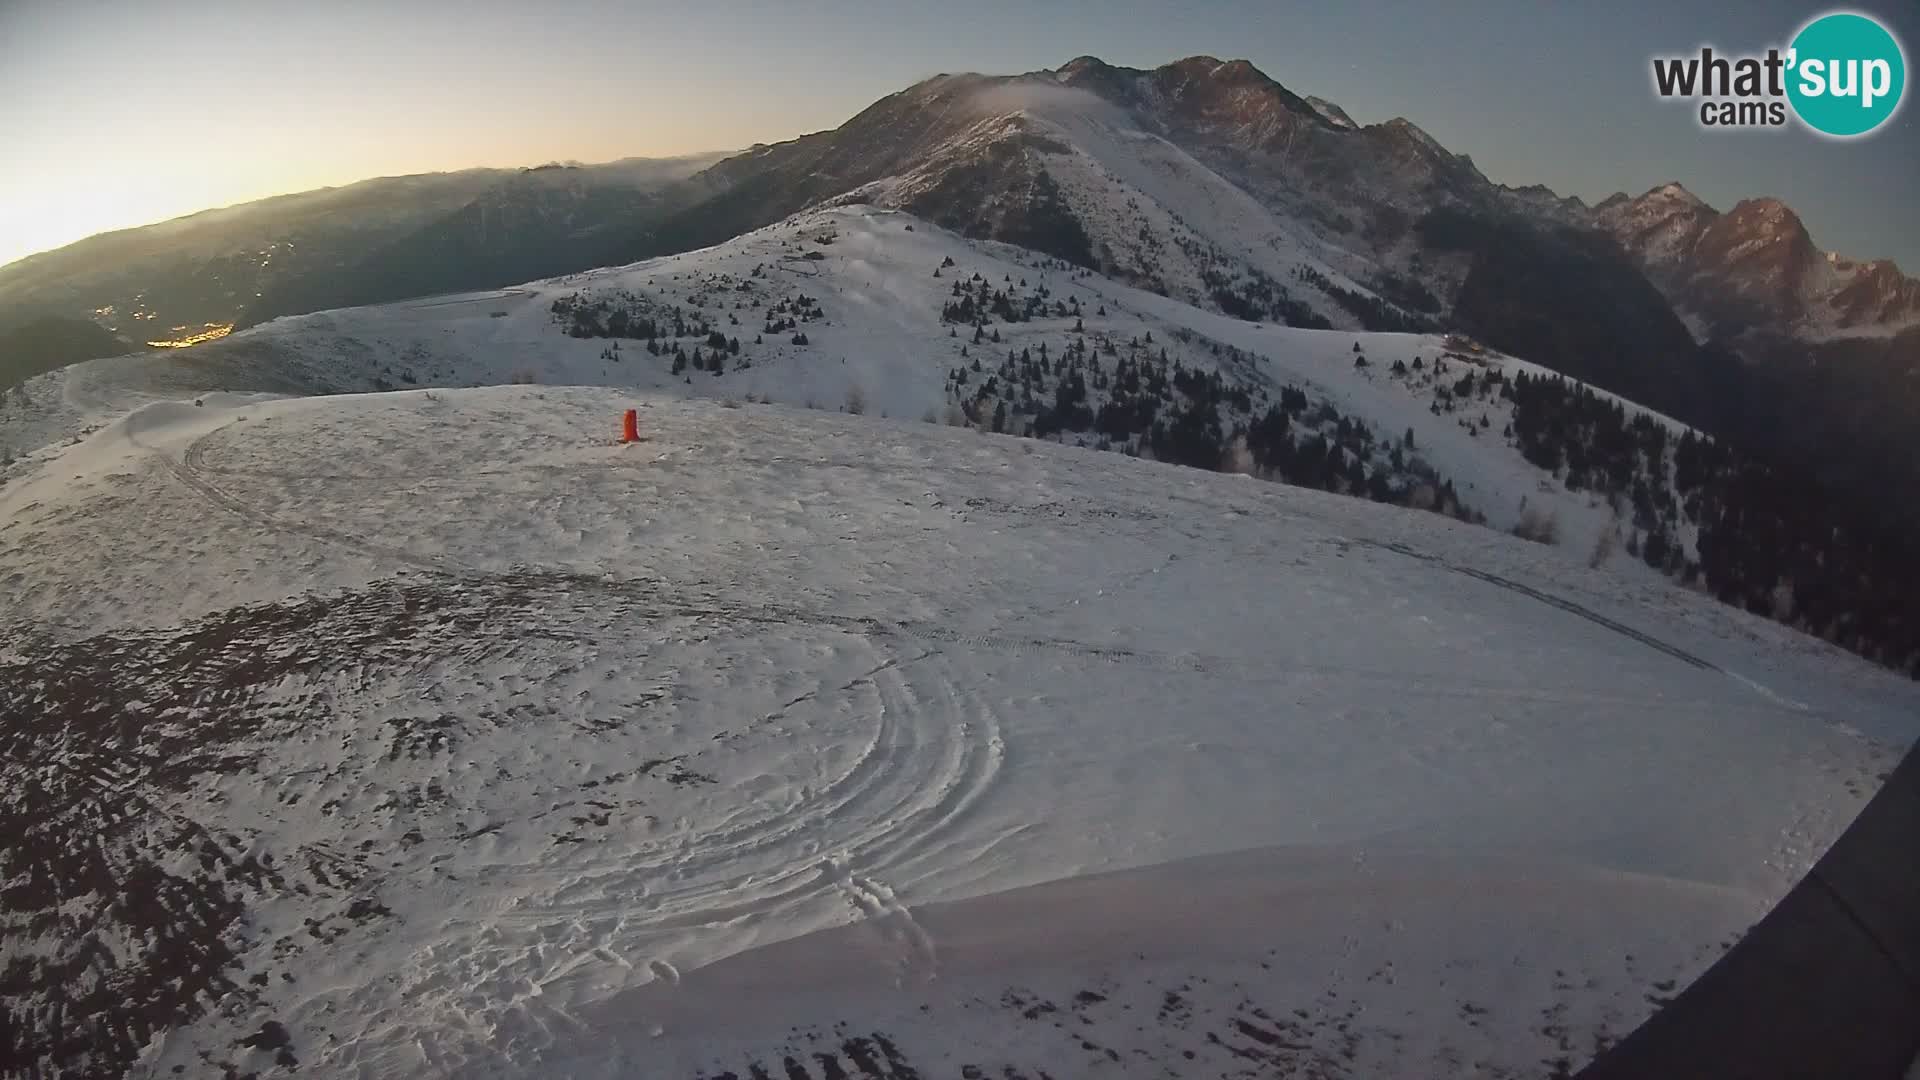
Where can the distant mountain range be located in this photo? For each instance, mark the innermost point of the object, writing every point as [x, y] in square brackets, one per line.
[1203, 180]
[215, 267]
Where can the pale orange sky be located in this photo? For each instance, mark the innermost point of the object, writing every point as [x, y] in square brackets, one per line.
[126, 114]
[116, 113]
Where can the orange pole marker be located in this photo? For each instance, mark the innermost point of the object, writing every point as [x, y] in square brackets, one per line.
[630, 432]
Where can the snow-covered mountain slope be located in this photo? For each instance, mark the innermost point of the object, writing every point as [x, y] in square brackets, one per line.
[1152, 214]
[1202, 179]
[868, 292]
[1212, 183]
[433, 732]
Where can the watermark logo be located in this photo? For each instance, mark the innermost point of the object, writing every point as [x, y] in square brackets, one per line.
[1843, 75]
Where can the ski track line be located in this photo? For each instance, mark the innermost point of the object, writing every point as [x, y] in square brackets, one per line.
[876, 902]
[1548, 598]
[184, 471]
[1283, 671]
[194, 458]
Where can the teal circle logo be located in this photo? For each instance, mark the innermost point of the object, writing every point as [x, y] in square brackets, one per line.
[1847, 75]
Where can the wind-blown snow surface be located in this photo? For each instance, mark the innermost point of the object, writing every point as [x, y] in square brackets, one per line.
[450, 738]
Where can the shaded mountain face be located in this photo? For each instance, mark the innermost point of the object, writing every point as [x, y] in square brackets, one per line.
[768, 183]
[1563, 297]
[531, 224]
[1660, 228]
[52, 342]
[208, 267]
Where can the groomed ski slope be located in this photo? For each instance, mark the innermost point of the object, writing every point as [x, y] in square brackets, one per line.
[870, 744]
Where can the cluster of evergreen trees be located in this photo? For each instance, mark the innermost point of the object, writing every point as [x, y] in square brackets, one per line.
[1406, 292]
[619, 314]
[790, 312]
[1245, 292]
[684, 337]
[719, 348]
[1373, 312]
[1770, 539]
[1259, 298]
[1144, 399]
[622, 315]
[976, 301]
[1334, 453]
[1135, 398]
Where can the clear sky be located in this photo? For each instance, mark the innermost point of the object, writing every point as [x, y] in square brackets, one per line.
[122, 112]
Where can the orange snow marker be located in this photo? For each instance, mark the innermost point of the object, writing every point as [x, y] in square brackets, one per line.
[630, 432]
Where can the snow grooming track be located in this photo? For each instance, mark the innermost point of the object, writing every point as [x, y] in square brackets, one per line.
[188, 472]
[910, 781]
[917, 775]
[924, 756]
[1276, 669]
[1563, 604]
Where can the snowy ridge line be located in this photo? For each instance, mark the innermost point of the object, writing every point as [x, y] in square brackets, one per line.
[1014, 645]
[1548, 598]
[193, 463]
[195, 459]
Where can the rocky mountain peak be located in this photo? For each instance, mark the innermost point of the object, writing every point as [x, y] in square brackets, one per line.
[1763, 235]
[1332, 113]
[1873, 293]
[1674, 192]
[1226, 71]
[1400, 125]
[1080, 67]
[1766, 212]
